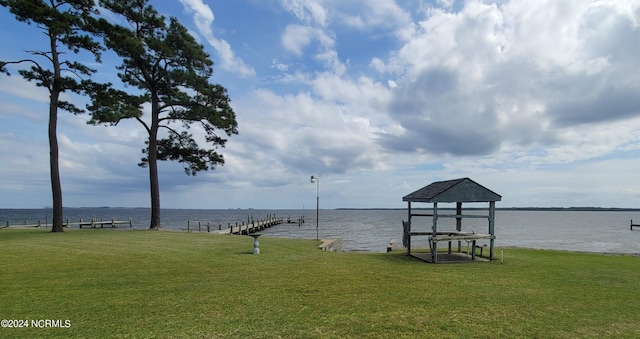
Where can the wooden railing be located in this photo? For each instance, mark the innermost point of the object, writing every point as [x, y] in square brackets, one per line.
[251, 226]
[93, 223]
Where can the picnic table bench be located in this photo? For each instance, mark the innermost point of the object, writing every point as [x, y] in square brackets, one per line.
[113, 223]
[450, 236]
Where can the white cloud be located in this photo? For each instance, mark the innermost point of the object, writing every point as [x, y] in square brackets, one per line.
[383, 15]
[308, 11]
[16, 86]
[279, 66]
[514, 72]
[296, 37]
[378, 65]
[203, 18]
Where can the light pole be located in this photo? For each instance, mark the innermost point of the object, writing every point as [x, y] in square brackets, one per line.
[316, 180]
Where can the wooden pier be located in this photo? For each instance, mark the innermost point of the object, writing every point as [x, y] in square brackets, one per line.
[298, 221]
[91, 223]
[250, 227]
[633, 225]
[243, 228]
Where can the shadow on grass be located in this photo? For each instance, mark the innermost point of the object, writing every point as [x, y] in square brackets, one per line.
[396, 257]
[401, 257]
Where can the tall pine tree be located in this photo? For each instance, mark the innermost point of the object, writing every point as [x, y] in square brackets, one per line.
[171, 72]
[66, 24]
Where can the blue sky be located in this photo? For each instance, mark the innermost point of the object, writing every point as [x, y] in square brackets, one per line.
[536, 100]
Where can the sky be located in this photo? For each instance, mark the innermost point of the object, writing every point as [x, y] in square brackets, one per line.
[538, 101]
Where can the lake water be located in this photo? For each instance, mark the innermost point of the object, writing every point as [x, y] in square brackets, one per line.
[371, 230]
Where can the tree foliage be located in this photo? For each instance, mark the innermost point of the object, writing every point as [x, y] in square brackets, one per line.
[163, 66]
[68, 26]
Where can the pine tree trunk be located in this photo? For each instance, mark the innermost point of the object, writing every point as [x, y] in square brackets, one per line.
[154, 183]
[56, 187]
[154, 186]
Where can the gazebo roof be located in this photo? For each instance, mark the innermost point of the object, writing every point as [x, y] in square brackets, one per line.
[457, 190]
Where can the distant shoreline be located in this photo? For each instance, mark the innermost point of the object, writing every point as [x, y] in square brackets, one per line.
[560, 209]
[422, 207]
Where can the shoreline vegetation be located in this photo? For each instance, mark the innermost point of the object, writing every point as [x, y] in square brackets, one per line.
[119, 284]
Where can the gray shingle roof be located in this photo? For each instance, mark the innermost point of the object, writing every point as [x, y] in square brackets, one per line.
[456, 190]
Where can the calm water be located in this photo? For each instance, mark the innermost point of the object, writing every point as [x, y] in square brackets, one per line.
[371, 230]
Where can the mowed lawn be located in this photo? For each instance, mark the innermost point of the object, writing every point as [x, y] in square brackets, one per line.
[141, 284]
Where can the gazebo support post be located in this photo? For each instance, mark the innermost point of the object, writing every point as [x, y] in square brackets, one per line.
[434, 244]
[492, 224]
[459, 223]
[409, 230]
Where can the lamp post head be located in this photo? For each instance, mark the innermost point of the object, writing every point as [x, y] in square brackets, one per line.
[313, 179]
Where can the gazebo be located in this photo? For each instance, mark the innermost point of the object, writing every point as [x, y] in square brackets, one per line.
[463, 190]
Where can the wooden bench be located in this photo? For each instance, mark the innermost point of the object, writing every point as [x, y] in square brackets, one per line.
[448, 233]
[474, 237]
[93, 223]
[468, 237]
[450, 236]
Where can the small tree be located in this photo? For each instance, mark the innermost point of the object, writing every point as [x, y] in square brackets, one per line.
[171, 71]
[65, 24]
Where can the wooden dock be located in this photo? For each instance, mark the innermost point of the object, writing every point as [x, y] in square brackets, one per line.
[250, 227]
[91, 223]
[243, 228]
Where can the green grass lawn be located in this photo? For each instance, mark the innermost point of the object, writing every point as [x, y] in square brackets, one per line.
[140, 284]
